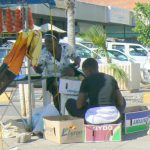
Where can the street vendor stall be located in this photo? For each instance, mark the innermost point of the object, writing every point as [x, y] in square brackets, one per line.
[28, 24]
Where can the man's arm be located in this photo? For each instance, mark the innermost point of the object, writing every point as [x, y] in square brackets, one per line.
[81, 102]
[121, 103]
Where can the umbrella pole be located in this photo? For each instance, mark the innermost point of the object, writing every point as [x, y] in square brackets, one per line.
[28, 105]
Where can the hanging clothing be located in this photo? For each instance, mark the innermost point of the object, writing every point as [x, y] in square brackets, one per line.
[11, 54]
[13, 62]
[34, 50]
[15, 58]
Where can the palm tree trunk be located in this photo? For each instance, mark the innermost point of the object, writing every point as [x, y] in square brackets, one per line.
[70, 8]
[107, 56]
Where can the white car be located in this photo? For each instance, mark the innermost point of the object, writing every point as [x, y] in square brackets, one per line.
[84, 52]
[115, 55]
[133, 50]
[90, 45]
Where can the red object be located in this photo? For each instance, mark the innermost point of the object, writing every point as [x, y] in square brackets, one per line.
[30, 18]
[99, 133]
[1, 20]
[18, 20]
[9, 24]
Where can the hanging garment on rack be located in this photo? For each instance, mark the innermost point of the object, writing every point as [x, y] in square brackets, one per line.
[15, 58]
[34, 50]
[13, 62]
[11, 54]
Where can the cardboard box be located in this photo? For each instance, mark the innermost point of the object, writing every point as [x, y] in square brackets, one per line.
[146, 98]
[5, 98]
[64, 129]
[137, 119]
[69, 86]
[106, 132]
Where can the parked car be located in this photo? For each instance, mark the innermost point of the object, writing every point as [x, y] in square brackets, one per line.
[132, 50]
[85, 52]
[116, 56]
[90, 45]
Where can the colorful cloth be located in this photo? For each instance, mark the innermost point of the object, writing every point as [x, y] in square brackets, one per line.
[34, 50]
[52, 67]
[101, 115]
[13, 62]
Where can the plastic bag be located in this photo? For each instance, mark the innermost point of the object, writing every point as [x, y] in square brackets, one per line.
[37, 118]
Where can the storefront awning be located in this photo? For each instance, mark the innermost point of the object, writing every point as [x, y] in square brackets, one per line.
[17, 2]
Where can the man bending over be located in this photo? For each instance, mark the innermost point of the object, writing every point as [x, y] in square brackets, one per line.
[100, 100]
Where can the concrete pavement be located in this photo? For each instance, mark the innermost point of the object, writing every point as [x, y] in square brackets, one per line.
[136, 141]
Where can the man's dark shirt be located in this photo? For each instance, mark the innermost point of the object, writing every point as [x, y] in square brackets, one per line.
[101, 89]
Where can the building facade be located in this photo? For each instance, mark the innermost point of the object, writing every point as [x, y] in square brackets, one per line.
[118, 22]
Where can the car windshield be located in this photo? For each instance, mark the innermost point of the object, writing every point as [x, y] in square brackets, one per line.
[82, 51]
[115, 55]
[119, 47]
[137, 51]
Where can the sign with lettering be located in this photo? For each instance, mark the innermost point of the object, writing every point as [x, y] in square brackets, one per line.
[106, 132]
[137, 121]
[71, 132]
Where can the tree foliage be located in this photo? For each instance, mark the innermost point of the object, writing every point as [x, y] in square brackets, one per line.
[97, 35]
[142, 15]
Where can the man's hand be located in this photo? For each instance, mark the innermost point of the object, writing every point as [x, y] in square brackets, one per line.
[77, 61]
[38, 69]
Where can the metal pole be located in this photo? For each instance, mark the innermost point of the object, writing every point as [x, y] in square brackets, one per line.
[29, 104]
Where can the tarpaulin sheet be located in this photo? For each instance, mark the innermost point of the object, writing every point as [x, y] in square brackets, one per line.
[6, 2]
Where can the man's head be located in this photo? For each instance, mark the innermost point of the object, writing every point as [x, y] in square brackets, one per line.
[49, 39]
[90, 66]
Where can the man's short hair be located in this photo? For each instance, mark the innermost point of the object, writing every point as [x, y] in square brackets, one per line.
[90, 63]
